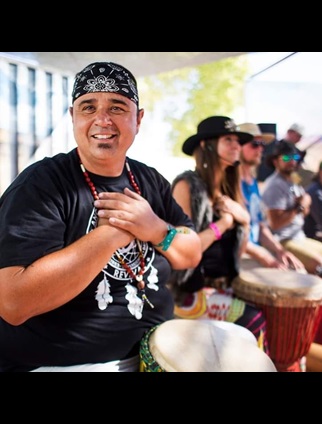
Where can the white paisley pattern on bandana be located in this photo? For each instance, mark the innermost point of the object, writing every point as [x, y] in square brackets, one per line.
[105, 77]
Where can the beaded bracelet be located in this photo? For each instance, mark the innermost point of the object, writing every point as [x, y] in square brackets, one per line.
[165, 243]
[216, 230]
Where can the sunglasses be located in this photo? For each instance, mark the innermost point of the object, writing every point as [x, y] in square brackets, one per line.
[257, 143]
[288, 158]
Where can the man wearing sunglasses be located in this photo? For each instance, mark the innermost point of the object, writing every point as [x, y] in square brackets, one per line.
[286, 205]
[293, 135]
[262, 249]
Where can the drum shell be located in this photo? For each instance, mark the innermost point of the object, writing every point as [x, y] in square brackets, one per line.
[272, 287]
[290, 302]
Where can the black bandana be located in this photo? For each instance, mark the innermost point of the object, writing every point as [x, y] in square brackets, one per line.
[105, 77]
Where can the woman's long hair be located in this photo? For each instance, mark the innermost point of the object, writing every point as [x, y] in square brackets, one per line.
[207, 160]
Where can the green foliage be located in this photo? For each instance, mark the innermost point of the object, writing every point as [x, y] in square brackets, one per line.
[185, 97]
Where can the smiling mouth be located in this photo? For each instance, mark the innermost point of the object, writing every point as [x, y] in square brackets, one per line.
[103, 137]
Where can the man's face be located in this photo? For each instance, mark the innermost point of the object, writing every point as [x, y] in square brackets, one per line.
[288, 163]
[105, 124]
[293, 136]
[252, 152]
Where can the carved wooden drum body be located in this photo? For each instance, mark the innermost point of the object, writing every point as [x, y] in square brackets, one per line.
[290, 302]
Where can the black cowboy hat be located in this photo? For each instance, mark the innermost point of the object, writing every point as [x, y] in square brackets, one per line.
[211, 127]
[283, 147]
[268, 128]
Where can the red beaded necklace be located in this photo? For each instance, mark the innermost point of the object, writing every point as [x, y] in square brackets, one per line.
[138, 278]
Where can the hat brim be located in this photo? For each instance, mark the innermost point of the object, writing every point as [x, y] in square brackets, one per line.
[268, 138]
[270, 158]
[192, 142]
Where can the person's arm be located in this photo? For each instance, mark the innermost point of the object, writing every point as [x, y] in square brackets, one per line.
[131, 212]
[58, 277]
[303, 204]
[238, 211]
[316, 205]
[278, 218]
[267, 240]
[244, 241]
[181, 193]
[277, 256]
[240, 216]
[263, 256]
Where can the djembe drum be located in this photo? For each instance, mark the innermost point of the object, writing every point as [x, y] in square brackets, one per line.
[290, 302]
[185, 345]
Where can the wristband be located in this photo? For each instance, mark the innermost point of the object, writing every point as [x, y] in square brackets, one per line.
[165, 243]
[216, 230]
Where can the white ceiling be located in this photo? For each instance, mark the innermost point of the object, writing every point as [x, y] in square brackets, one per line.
[139, 63]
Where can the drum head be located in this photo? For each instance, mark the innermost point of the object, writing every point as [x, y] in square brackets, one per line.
[183, 345]
[237, 329]
[271, 286]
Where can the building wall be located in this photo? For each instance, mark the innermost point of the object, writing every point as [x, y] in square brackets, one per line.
[33, 106]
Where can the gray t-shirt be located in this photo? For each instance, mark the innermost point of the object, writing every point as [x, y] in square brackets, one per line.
[279, 193]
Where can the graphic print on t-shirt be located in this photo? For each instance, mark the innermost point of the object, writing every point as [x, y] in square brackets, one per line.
[115, 271]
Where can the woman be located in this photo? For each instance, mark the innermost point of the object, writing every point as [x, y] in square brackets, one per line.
[211, 196]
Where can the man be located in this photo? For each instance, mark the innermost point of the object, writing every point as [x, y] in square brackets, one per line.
[87, 241]
[263, 170]
[262, 248]
[287, 204]
[294, 133]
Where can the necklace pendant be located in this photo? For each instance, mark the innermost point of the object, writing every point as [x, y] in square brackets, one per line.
[140, 285]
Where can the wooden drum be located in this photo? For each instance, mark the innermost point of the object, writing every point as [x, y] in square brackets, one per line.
[186, 345]
[291, 303]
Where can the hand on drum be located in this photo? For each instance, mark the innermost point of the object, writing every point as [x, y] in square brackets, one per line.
[290, 261]
[269, 261]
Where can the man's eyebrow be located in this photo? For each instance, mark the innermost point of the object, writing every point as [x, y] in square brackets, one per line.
[116, 100]
[112, 100]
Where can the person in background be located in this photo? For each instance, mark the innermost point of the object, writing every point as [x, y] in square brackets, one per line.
[211, 196]
[313, 229]
[294, 133]
[313, 220]
[262, 247]
[286, 204]
[263, 170]
[87, 241]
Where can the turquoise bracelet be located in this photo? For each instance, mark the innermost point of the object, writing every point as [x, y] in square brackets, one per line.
[165, 243]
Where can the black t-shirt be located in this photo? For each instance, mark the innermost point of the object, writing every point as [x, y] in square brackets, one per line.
[48, 207]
